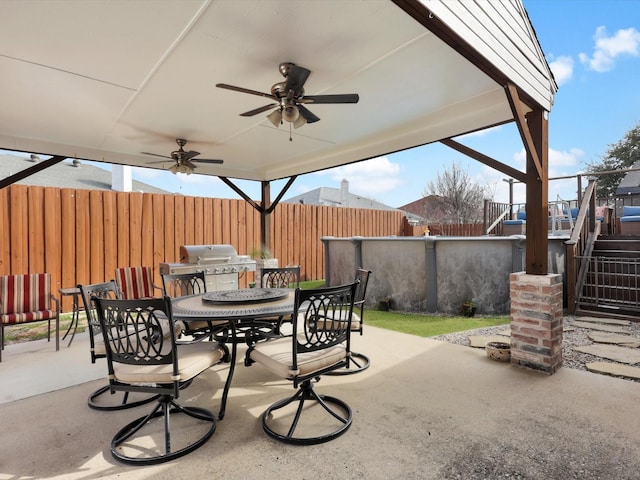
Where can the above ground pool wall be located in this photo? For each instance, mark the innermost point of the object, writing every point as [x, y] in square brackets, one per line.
[434, 274]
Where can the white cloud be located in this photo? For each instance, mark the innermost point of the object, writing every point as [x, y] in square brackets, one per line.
[607, 49]
[562, 68]
[561, 163]
[369, 178]
[559, 160]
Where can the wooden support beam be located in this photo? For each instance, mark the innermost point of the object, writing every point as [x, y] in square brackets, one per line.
[521, 122]
[488, 161]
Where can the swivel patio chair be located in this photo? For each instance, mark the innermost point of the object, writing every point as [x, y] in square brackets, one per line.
[141, 360]
[136, 282]
[279, 277]
[359, 361]
[97, 348]
[182, 284]
[320, 345]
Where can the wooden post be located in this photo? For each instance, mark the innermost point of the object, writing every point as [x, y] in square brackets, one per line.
[265, 217]
[537, 195]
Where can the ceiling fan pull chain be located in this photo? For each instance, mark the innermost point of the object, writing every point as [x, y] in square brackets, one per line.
[290, 139]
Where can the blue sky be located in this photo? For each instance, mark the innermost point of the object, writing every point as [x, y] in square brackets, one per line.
[593, 48]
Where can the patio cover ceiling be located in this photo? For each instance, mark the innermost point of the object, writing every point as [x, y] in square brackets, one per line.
[106, 80]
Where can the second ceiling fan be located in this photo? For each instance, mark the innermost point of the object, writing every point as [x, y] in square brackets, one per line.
[184, 161]
[289, 99]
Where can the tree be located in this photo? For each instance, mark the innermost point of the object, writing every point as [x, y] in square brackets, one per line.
[619, 156]
[462, 199]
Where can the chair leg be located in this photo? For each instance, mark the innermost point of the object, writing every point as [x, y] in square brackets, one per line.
[358, 362]
[123, 405]
[306, 392]
[166, 407]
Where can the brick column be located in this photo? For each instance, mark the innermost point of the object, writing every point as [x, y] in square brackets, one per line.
[536, 321]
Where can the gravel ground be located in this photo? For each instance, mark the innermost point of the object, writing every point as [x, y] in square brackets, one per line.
[571, 337]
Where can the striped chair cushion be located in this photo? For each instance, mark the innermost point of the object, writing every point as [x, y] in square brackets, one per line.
[135, 282]
[25, 298]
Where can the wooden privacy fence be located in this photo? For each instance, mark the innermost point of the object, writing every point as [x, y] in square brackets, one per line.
[82, 236]
[444, 229]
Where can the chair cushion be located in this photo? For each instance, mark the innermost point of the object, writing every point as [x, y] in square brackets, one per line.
[514, 222]
[194, 325]
[632, 218]
[276, 356]
[135, 282]
[630, 211]
[25, 293]
[192, 359]
[355, 321]
[26, 317]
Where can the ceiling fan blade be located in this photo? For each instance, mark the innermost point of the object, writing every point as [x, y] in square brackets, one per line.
[244, 90]
[342, 98]
[295, 79]
[186, 156]
[255, 111]
[155, 155]
[307, 114]
[208, 160]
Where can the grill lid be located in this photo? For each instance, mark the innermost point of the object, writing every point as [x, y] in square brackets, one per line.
[207, 253]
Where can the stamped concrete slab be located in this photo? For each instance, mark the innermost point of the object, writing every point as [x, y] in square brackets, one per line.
[612, 352]
[614, 369]
[479, 341]
[614, 338]
[607, 321]
[602, 328]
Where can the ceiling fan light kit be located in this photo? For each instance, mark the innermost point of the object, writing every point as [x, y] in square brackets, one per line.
[182, 168]
[275, 117]
[289, 98]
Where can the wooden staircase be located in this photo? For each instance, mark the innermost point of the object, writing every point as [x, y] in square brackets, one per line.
[611, 282]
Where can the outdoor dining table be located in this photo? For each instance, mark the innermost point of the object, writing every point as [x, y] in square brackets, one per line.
[244, 309]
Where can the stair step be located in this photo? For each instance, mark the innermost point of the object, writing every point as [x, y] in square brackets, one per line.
[606, 321]
[593, 311]
[611, 253]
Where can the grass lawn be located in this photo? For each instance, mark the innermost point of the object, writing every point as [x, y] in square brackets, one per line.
[38, 330]
[428, 325]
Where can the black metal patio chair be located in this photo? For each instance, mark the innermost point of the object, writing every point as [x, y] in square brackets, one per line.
[97, 400]
[318, 346]
[141, 359]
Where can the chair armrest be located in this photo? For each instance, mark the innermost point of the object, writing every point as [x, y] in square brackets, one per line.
[56, 302]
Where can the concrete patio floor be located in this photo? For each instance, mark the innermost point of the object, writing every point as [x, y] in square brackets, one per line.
[424, 410]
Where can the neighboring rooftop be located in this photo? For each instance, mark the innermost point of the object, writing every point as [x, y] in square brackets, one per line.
[337, 197]
[67, 174]
[430, 208]
[630, 184]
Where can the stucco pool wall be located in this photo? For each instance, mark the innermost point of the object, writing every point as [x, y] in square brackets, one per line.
[435, 274]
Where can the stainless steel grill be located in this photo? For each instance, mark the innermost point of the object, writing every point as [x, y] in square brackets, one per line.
[221, 264]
